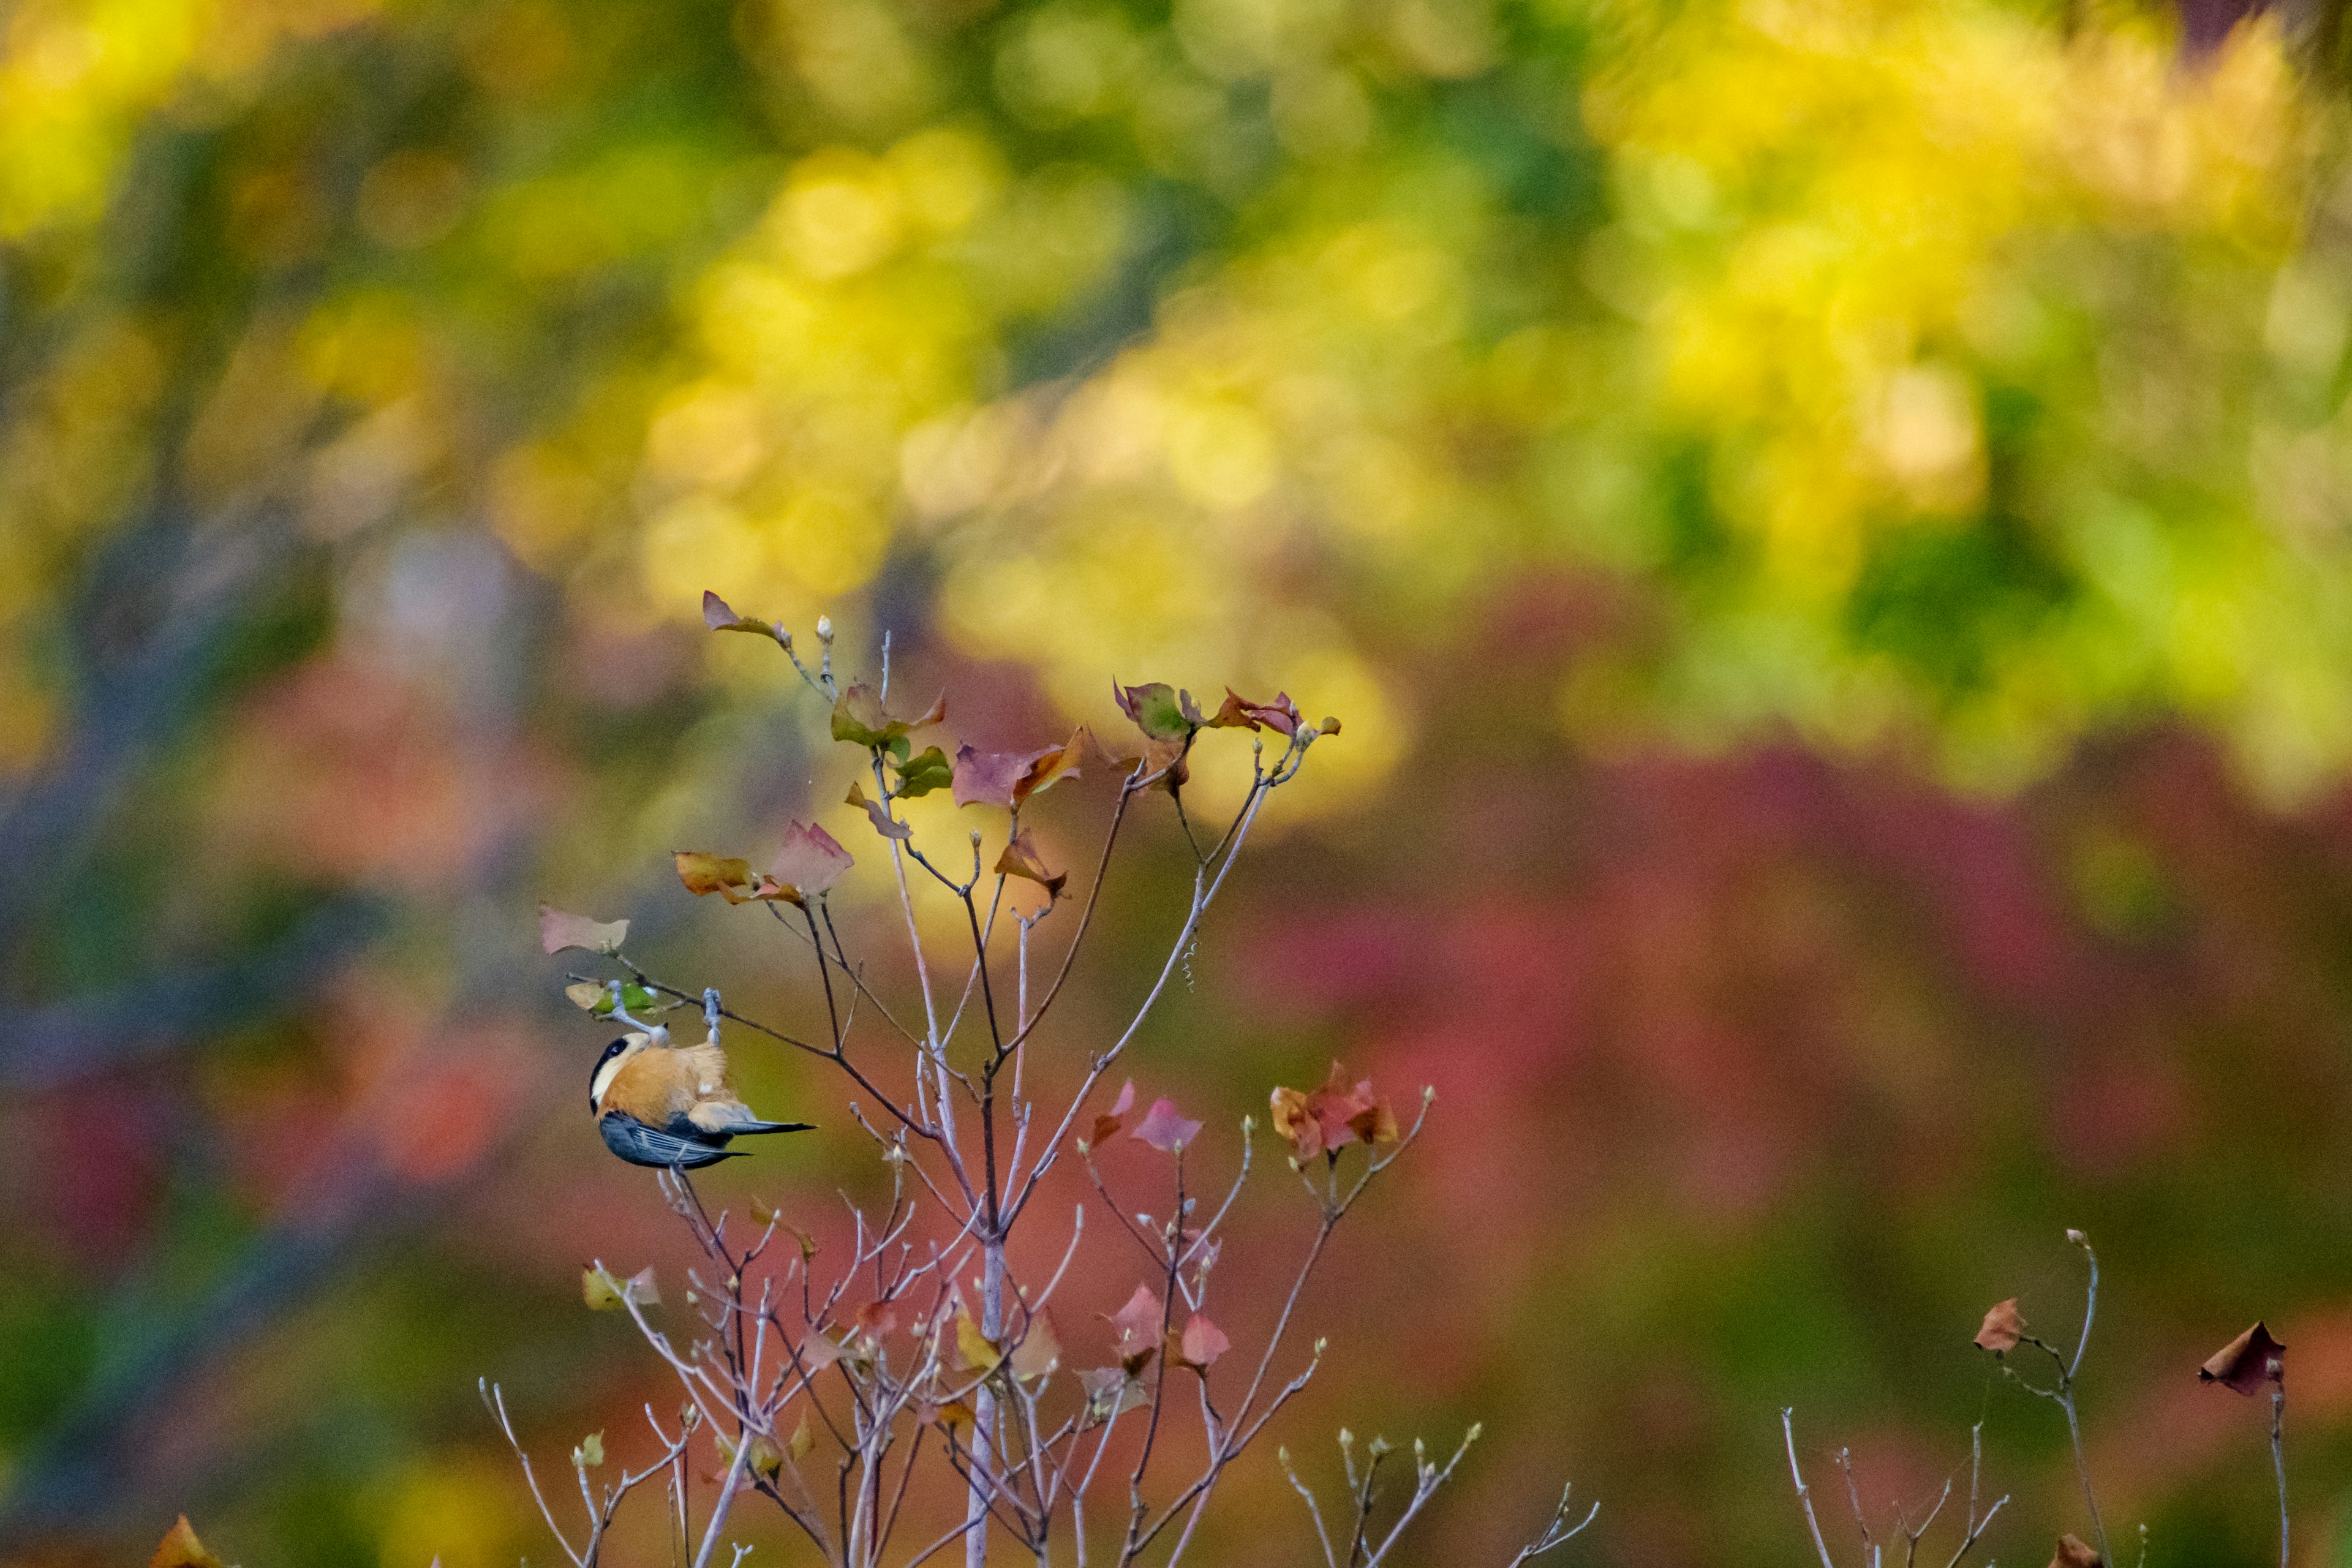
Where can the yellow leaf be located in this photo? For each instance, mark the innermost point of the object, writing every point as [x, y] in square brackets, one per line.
[978, 1352]
[800, 1443]
[181, 1549]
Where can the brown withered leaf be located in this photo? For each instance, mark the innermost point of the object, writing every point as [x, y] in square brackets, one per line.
[1135, 1328]
[808, 863]
[874, 1319]
[1165, 1129]
[1021, 860]
[2073, 1554]
[2247, 1362]
[720, 617]
[1106, 1125]
[1039, 1351]
[560, 929]
[2003, 1327]
[1281, 715]
[1048, 768]
[181, 1549]
[880, 819]
[1200, 1343]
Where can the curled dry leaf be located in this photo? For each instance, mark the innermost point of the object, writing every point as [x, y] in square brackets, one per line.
[810, 862]
[1165, 1129]
[880, 819]
[1110, 1123]
[560, 929]
[1326, 1120]
[2247, 1362]
[858, 718]
[1200, 1343]
[1136, 1327]
[720, 617]
[701, 872]
[2073, 1554]
[2003, 1327]
[1281, 715]
[181, 1549]
[1021, 860]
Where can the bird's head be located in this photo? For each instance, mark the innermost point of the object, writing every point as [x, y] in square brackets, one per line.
[609, 1065]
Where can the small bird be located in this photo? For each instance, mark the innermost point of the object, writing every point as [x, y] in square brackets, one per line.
[670, 1106]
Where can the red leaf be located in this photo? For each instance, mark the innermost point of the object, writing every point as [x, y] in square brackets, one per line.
[1326, 1120]
[1108, 1124]
[2072, 1553]
[2003, 1327]
[1138, 1327]
[1164, 1129]
[810, 862]
[719, 617]
[990, 778]
[2247, 1362]
[559, 929]
[1202, 1343]
[1281, 715]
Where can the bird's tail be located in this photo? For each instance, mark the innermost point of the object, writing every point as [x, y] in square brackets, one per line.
[740, 1128]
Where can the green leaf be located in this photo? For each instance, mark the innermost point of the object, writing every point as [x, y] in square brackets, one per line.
[925, 774]
[591, 1452]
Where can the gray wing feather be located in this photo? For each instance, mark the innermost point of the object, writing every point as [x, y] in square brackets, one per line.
[639, 1145]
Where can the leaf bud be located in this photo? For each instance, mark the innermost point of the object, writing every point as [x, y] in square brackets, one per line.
[975, 838]
[1347, 1438]
[1429, 1094]
[1380, 1448]
[1319, 1345]
[1249, 1125]
[824, 628]
[1472, 1435]
[2077, 1237]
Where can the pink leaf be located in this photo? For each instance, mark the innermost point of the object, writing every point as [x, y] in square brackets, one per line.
[1137, 1325]
[1108, 1124]
[559, 929]
[1203, 1343]
[1164, 1129]
[810, 862]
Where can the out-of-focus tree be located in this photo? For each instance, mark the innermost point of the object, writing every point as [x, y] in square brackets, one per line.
[381, 384]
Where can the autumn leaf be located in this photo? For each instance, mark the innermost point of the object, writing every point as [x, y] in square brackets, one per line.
[2247, 1362]
[1110, 1390]
[975, 1350]
[590, 1453]
[604, 1294]
[2072, 1553]
[955, 1415]
[1281, 715]
[1165, 1129]
[720, 617]
[1021, 860]
[1161, 712]
[920, 774]
[797, 1447]
[883, 823]
[559, 929]
[702, 873]
[1137, 1328]
[874, 1319]
[858, 718]
[810, 862]
[2003, 1327]
[1110, 1123]
[1327, 1119]
[1201, 1343]
[990, 778]
[1039, 1351]
[181, 1549]
[589, 996]
[765, 1460]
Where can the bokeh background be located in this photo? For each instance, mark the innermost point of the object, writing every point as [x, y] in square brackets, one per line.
[1825, 521]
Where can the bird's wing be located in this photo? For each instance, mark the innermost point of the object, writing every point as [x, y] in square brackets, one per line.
[652, 1086]
[639, 1145]
[704, 1066]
